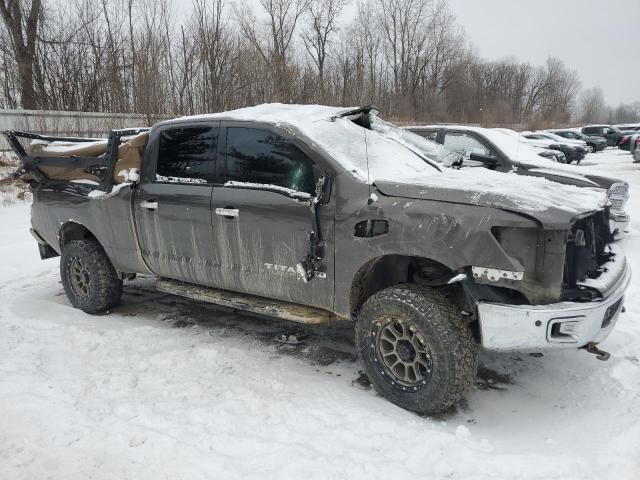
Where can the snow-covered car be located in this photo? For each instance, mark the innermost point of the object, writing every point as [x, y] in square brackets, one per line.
[574, 152]
[541, 148]
[318, 215]
[503, 150]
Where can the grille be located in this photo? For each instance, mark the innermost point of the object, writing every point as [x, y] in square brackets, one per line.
[585, 252]
[618, 194]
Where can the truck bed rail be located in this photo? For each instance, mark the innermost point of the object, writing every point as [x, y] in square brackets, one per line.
[101, 166]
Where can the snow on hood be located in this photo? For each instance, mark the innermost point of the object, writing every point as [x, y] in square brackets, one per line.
[550, 202]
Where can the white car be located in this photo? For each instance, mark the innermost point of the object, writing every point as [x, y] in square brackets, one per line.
[541, 147]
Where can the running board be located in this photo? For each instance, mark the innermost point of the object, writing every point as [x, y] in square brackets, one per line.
[249, 303]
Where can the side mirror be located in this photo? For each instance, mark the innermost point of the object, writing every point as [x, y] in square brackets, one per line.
[488, 161]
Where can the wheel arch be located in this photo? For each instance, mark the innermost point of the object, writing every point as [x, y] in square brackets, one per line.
[73, 230]
[385, 271]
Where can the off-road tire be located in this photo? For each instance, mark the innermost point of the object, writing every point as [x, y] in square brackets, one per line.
[100, 287]
[442, 331]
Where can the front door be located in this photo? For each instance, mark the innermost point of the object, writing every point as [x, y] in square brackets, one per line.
[173, 203]
[262, 216]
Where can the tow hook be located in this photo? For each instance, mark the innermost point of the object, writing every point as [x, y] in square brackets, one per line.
[592, 347]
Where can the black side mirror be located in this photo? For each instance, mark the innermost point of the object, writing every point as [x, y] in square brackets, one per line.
[488, 161]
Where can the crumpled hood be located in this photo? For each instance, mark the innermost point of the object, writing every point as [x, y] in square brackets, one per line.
[553, 204]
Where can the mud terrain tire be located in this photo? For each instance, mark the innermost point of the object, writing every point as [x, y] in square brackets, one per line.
[421, 329]
[89, 279]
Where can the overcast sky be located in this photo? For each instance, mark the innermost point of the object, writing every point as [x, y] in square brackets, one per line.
[600, 39]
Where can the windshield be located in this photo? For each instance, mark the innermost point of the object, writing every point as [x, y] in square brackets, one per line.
[432, 150]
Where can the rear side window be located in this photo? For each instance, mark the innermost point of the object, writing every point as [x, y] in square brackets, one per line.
[187, 155]
[263, 157]
[591, 130]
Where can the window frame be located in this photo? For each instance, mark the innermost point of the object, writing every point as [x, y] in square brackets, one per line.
[319, 162]
[150, 176]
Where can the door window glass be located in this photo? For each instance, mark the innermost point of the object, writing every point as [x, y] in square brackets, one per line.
[186, 155]
[590, 130]
[466, 144]
[428, 134]
[265, 158]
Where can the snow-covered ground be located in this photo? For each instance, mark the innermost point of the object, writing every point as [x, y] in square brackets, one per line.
[168, 388]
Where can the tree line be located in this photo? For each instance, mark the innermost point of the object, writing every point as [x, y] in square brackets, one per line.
[409, 57]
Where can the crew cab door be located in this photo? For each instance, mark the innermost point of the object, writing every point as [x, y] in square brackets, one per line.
[172, 205]
[262, 215]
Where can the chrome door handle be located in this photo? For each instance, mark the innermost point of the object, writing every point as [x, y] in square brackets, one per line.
[149, 205]
[228, 212]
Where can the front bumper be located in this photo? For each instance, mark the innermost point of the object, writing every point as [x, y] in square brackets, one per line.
[555, 326]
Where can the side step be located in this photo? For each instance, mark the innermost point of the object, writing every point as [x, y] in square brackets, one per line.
[250, 303]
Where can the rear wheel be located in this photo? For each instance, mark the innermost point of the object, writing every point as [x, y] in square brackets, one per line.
[88, 277]
[416, 348]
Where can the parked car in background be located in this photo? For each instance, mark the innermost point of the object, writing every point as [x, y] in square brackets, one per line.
[505, 152]
[574, 153]
[541, 147]
[625, 141]
[559, 139]
[612, 134]
[597, 144]
[632, 127]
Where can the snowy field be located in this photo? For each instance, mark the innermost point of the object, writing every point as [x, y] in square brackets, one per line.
[166, 388]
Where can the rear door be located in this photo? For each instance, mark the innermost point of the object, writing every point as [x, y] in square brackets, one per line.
[173, 202]
[262, 215]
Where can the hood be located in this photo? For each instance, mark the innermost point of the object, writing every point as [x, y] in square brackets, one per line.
[566, 174]
[552, 204]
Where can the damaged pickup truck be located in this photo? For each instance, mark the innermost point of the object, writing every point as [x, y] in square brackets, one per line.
[307, 214]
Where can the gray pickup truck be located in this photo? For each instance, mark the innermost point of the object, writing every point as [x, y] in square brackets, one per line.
[307, 214]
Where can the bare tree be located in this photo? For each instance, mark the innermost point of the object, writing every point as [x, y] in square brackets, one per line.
[23, 33]
[592, 105]
[322, 23]
[274, 46]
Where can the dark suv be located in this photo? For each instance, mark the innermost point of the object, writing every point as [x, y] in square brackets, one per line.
[613, 135]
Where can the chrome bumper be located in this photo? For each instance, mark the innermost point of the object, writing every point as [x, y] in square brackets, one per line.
[555, 326]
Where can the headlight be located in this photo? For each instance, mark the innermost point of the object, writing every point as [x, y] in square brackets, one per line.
[618, 194]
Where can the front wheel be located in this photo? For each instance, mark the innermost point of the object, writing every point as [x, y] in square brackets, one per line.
[416, 348]
[88, 277]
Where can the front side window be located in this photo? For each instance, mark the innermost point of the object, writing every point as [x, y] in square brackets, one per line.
[265, 158]
[187, 155]
[466, 144]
